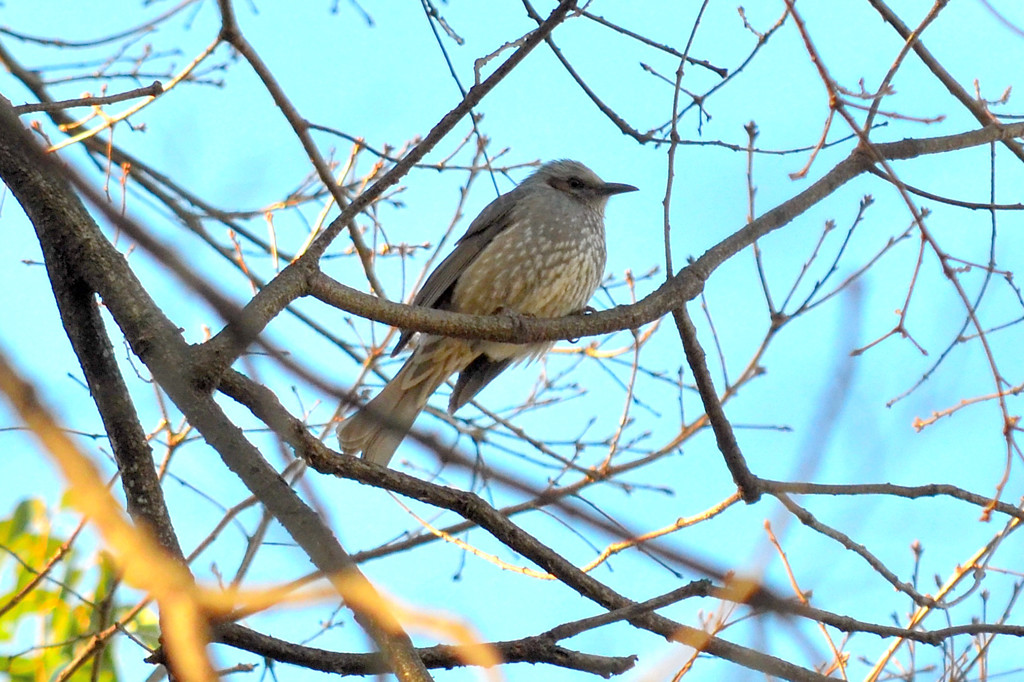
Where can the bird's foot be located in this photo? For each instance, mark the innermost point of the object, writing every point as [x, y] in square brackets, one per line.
[515, 317]
[583, 311]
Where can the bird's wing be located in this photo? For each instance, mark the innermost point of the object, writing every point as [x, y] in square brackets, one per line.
[434, 293]
[478, 374]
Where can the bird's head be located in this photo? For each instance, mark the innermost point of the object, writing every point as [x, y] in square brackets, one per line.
[578, 182]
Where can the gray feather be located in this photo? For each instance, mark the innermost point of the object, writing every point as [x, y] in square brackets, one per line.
[477, 374]
[482, 231]
[538, 250]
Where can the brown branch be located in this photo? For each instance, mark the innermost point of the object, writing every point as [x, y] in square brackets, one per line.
[808, 519]
[848, 624]
[540, 648]
[141, 172]
[152, 90]
[537, 649]
[80, 314]
[972, 205]
[84, 326]
[264, 405]
[619, 122]
[684, 286]
[471, 507]
[66, 230]
[85, 329]
[723, 72]
[144, 27]
[884, 87]
[977, 108]
[909, 492]
[232, 34]
[762, 40]
[746, 482]
[322, 459]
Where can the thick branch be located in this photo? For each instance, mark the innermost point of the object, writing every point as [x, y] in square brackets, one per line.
[67, 232]
[538, 649]
[475, 509]
[471, 506]
[83, 324]
[265, 406]
[684, 286]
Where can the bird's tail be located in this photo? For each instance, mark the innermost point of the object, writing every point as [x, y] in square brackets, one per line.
[378, 428]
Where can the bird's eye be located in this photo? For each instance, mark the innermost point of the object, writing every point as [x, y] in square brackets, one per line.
[575, 183]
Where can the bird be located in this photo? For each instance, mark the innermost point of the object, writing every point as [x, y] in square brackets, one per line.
[535, 251]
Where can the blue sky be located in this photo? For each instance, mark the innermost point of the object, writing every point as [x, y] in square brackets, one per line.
[388, 83]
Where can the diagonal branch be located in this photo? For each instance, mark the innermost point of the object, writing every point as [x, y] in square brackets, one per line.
[537, 649]
[976, 108]
[83, 324]
[471, 507]
[747, 483]
[684, 286]
[67, 233]
[619, 122]
[224, 348]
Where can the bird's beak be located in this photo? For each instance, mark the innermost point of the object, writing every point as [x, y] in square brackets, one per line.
[611, 188]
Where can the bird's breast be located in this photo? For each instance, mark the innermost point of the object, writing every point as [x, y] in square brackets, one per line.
[544, 270]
